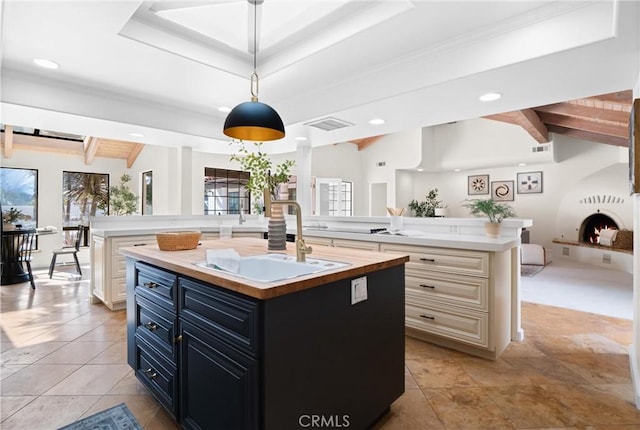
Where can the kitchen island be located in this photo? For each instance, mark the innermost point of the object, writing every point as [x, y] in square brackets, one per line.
[219, 351]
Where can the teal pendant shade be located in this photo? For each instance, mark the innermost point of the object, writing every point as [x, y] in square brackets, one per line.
[254, 121]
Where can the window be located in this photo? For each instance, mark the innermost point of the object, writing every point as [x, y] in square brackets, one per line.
[83, 195]
[19, 190]
[225, 192]
[147, 193]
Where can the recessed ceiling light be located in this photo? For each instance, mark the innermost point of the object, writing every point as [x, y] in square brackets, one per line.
[376, 121]
[47, 64]
[301, 138]
[456, 170]
[522, 164]
[489, 97]
[419, 169]
[136, 134]
[224, 109]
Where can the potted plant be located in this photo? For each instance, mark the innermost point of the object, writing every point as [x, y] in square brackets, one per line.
[262, 173]
[11, 217]
[428, 207]
[493, 210]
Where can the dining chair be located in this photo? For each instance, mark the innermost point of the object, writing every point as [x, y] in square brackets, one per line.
[68, 250]
[18, 249]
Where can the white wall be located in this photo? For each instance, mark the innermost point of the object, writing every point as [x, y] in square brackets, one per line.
[398, 151]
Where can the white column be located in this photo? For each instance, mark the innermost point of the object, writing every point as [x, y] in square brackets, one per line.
[303, 169]
[184, 165]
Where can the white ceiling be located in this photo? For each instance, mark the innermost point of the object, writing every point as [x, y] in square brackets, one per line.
[163, 68]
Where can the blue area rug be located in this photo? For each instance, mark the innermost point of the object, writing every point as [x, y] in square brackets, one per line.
[116, 418]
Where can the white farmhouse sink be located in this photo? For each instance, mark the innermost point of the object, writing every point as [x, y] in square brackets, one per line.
[276, 267]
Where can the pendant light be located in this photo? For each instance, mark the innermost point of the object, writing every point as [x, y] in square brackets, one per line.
[254, 120]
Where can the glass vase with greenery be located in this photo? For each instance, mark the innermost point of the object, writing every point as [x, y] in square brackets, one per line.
[262, 172]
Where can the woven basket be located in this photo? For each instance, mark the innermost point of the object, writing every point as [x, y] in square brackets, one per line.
[624, 240]
[178, 240]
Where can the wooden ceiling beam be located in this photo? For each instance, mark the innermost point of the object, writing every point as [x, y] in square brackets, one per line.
[135, 151]
[530, 121]
[594, 114]
[593, 137]
[365, 142]
[8, 141]
[527, 119]
[90, 149]
[604, 128]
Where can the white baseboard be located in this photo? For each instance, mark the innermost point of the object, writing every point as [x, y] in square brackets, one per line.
[635, 377]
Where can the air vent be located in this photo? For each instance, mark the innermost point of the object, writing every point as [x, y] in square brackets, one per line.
[381, 163]
[541, 148]
[329, 124]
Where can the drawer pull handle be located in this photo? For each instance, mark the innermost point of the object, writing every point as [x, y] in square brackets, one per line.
[430, 260]
[151, 326]
[151, 285]
[429, 317]
[139, 244]
[428, 286]
[177, 339]
[151, 373]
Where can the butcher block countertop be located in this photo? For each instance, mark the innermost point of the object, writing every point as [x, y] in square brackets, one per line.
[183, 262]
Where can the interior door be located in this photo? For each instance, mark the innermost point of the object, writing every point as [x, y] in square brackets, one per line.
[328, 201]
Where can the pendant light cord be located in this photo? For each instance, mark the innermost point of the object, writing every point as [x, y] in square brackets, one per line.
[254, 75]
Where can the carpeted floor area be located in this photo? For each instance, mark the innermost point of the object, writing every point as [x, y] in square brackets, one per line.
[581, 287]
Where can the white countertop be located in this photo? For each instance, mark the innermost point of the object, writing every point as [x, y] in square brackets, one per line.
[441, 240]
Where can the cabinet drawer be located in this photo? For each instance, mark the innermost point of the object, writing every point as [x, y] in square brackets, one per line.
[158, 375]
[156, 325]
[356, 244]
[116, 244]
[156, 284]
[119, 290]
[463, 262]
[230, 317]
[210, 235]
[313, 240]
[469, 327]
[254, 234]
[466, 291]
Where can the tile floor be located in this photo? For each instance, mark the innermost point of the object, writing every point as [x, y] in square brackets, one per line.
[63, 359]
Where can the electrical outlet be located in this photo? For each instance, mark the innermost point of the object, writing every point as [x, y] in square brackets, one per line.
[358, 290]
[565, 250]
[606, 258]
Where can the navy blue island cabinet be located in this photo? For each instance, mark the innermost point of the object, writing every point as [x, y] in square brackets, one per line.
[216, 358]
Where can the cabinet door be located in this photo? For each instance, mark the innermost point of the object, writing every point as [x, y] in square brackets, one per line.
[219, 384]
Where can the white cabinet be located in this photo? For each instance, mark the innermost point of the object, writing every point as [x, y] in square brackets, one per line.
[457, 298]
[108, 268]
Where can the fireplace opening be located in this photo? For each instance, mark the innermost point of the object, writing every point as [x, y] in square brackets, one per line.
[591, 226]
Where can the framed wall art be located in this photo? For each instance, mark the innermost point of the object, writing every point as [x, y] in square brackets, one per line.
[502, 191]
[529, 182]
[478, 184]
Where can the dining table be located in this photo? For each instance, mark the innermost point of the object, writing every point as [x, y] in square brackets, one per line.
[12, 241]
